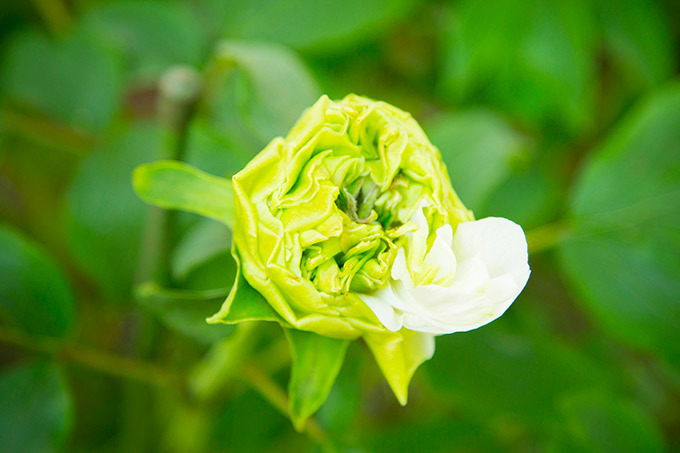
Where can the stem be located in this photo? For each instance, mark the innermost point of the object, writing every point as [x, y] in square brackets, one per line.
[211, 377]
[94, 359]
[547, 236]
[180, 88]
[277, 397]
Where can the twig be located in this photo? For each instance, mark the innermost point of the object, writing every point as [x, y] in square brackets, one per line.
[94, 359]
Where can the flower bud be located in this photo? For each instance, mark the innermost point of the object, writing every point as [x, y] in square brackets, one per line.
[323, 215]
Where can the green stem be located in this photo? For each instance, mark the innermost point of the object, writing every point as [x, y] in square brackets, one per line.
[101, 361]
[212, 376]
[179, 89]
[277, 397]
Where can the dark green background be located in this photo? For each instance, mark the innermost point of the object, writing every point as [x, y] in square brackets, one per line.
[561, 115]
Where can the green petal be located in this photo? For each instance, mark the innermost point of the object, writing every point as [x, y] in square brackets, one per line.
[316, 363]
[175, 185]
[399, 354]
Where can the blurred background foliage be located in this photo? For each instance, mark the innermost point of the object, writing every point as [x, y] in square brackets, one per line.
[562, 115]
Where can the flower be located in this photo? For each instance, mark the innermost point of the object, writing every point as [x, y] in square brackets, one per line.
[322, 214]
[349, 227]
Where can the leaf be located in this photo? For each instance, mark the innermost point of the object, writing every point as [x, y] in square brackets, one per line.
[175, 185]
[316, 362]
[71, 81]
[478, 148]
[623, 257]
[531, 195]
[35, 409]
[638, 39]
[277, 87]
[201, 243]
[148, 36]
[34, 294]
[597, 422]
[399, 354]
[244, 303]
[218, 149]
[493, 372]
[308, 24]
[528, 57]
[185, 311]
[104, 217]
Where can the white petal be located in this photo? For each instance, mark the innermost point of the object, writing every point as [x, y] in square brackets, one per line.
[490, 261]
[499, 242]
[381, 304]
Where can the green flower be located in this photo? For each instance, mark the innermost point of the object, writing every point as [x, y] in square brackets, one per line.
[321, 214]
[349, 228]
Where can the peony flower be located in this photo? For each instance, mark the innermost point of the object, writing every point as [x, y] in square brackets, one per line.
[349, 228]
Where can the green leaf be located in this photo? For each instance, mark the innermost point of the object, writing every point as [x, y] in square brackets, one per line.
[148, 36]
[399, 354]
[599, 422]
[71, 81]
[312, 24]
[531, 195]
[316, 362]
[203, 242]
[185, 311]
[276, 89]
[244, 304]
[175, 185]
[638, 39]
[528, 57]
[478, 148]
[497, 370]
[34, 294]
[35, 409]
[624, 255]
[104, 217]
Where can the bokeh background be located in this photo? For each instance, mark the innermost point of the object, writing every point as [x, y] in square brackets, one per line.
[561, 115]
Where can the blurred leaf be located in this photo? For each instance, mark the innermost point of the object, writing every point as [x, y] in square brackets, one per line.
[176, 185]
[516, 377]
[399, 354]
[316, 362]
[202, 242]
[104, 217]
[149, 36]
[185, 311]
[530, 196]
[71, 81]
[309, 24]
[35, 409]
[478, 148]
[432, 433]
[598, 422]
[343, 404]
[247, 423]
[33, 292]
[532, 58]
[220, 151]
[276, 89]
[638, 38]
[624, 255]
